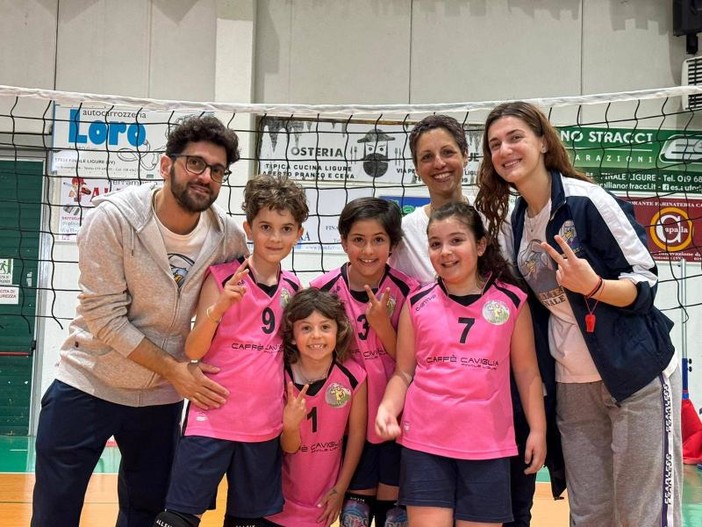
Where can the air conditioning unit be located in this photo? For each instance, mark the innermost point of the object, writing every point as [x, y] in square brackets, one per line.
[692, 76]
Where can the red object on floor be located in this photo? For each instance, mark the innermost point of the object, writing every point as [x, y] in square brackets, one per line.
[691, 434]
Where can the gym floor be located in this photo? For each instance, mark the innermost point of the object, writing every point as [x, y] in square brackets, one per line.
[17, 481]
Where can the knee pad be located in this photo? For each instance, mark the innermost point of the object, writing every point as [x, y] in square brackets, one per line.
[176, 519]
[388, 514]
[395, 517]
[356, 511]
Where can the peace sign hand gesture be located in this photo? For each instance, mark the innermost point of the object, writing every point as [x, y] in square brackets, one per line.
[572, 273]
[295, 408]
[378, 312]
[232, 292]
[234, 288]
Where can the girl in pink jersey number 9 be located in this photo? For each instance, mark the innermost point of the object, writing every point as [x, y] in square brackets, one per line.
[457, 338]
[326, 395]
[237, 330]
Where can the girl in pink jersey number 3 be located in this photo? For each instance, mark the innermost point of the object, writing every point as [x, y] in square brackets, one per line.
[373, 294]
[457, 338]
[326, 396]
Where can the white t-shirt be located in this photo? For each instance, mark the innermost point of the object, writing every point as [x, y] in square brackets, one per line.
[573, 360]
[411, 256]
[183, 249]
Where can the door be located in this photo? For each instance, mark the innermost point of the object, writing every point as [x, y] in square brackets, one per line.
[20, 220]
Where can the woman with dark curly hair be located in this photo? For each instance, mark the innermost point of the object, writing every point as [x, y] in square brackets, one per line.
[440, 153]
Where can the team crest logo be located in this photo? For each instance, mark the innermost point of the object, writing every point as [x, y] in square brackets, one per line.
[496, 312]
[285, 297]
[569, 234]
[337, 396]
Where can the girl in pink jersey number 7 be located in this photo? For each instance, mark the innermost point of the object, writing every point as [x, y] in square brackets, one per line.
[457, 339]
[326, 396]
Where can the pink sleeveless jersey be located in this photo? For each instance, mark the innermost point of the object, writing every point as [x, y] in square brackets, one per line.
[309, 473]
[367, 348]
[249, 350]
[459, 404]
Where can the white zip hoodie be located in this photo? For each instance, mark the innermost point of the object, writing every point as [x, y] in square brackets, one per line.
[128, 293]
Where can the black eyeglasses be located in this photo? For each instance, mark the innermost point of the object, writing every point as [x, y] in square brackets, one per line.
[196, 165]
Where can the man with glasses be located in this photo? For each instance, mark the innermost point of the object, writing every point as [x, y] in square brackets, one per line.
[143, 255]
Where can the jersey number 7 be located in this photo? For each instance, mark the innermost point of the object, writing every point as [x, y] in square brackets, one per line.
[468, 322]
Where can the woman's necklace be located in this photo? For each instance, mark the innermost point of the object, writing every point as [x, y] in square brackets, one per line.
[530, 223]
[430, 207]
[537, 220]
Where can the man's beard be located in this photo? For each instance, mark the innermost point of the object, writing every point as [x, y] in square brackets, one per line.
[187, 198]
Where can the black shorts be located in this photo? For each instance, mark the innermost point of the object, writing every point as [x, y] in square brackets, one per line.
[254, 476]
[379, 463]
[476, 490]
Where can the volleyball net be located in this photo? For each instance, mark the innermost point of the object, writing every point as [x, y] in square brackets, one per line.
[59, 150]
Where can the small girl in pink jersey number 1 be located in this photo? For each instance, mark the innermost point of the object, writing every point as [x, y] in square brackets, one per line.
[326, 398]
[457, 338]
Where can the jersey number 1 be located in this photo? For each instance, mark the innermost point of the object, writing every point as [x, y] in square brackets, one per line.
[313, 415]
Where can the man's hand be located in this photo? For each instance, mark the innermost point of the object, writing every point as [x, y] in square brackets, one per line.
[190, 381]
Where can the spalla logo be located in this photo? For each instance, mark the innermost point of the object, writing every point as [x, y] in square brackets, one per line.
[671, 229]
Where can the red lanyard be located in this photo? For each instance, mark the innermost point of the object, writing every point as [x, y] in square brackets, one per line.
[590, 318]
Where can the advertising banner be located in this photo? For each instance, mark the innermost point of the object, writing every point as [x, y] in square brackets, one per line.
[671, 227]
[630, 160]
[98, 149]
[346, 153]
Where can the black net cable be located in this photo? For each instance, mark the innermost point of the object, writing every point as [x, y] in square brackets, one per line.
[323, 148]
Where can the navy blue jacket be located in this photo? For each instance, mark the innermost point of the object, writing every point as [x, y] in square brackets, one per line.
[630, 346]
